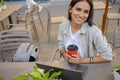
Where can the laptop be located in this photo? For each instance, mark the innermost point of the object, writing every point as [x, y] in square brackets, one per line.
[69, 71]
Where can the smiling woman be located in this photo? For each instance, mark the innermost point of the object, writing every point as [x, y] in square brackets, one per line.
[79, 30]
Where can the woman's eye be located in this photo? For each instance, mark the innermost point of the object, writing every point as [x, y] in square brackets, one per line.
[86, 11]
[78, 9]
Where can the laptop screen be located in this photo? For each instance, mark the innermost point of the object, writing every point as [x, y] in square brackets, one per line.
[69, 71]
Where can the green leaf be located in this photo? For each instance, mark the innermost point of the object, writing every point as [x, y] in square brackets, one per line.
[116, 67]
[1, 78]
[41, 71]
[35, 75]
[47, 74]
[38, 74]
[118, 55]
[55, 74]
[20, 77]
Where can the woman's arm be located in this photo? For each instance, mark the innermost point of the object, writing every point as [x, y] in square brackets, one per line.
[96, 59]
[79, 60]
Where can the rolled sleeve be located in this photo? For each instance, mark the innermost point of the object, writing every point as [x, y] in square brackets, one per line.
[102, 46]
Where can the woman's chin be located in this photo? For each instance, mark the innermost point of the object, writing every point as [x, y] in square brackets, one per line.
[78, 23]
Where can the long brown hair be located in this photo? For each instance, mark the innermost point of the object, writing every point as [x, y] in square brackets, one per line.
[90, 17]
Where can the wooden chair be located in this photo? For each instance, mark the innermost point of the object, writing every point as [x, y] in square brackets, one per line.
[52, 20]
[116, 38]
[22, 26]
[21, 17]
[10, 40]
[113, 16]
[55, 56]
[28, 24]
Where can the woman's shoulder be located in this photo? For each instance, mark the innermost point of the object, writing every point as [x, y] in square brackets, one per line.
[95, 29]
[66, 22]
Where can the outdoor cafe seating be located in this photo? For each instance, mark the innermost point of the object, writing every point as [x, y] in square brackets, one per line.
[42, 35]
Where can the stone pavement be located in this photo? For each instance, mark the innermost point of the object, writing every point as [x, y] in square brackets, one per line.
[58, 9]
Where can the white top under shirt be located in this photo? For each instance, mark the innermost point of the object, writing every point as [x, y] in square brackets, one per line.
[74, 40]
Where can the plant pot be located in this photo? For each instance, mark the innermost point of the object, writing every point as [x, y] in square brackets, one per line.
[4, 7]
[116, 74]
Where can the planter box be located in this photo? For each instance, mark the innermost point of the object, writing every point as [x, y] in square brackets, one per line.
[116, 75]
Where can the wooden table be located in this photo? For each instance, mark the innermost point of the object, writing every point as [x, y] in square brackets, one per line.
[101, 71]
[8, 12]
[99, 5]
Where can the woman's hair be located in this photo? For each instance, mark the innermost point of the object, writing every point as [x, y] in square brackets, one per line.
[90, 17]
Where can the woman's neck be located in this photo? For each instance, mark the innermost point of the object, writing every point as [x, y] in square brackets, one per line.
[75, 28]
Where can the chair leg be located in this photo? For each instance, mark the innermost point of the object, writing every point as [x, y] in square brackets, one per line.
[53, 55]
[48, 29]
[3, 59]
[49, 33]
[40, 21]
[118, 22]
[35, 31]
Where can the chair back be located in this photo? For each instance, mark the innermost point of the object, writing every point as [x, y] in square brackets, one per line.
[116, 38]
[49, 18]
[56, 55]
[11, 39]
[30, 13]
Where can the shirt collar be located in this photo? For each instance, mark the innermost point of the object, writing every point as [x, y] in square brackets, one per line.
[84, 28]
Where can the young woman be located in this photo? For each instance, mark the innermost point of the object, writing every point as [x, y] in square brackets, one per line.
[79, 31]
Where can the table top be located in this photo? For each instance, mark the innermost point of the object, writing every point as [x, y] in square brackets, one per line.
[9, 11]
[99, 5]
[101, 71]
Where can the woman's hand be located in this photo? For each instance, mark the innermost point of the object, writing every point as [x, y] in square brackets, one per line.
[66, 56]
[75, 59]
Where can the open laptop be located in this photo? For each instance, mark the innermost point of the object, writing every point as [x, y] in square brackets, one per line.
[69, 71]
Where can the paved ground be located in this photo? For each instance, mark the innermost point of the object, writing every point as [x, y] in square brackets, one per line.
[58, 9]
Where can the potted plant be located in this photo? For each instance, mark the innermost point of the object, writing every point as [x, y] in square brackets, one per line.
[116, 72]
[3, 4]
[38, 74]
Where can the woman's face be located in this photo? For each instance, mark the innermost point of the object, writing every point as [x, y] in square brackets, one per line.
[80, 12]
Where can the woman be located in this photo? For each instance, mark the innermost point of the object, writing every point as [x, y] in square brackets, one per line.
[79, 31]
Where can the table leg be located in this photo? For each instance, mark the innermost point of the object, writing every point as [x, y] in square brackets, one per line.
[11, 22]
[2, 25]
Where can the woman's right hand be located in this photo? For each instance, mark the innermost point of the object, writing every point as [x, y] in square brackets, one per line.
[66, 56]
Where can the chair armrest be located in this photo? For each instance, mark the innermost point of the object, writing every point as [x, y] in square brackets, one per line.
[16, 24]
[54, 54]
